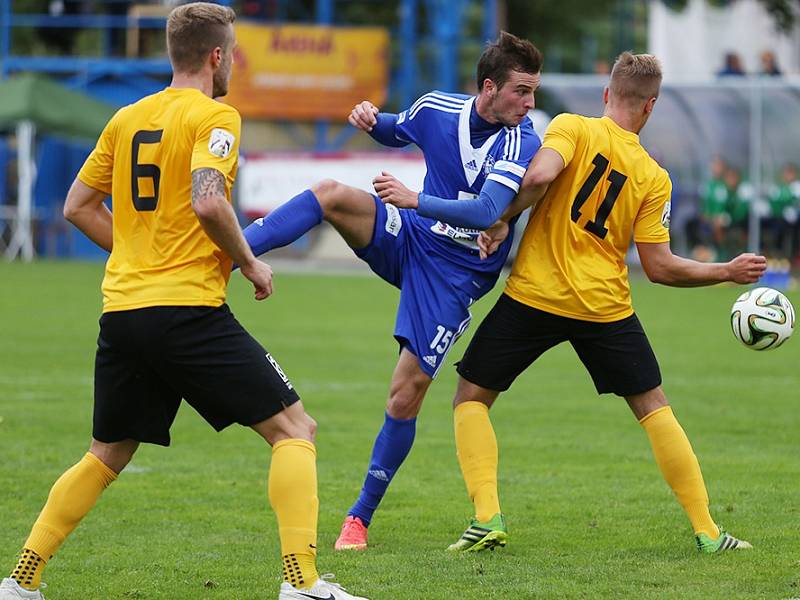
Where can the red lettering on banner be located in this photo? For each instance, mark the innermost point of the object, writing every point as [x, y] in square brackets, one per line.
[299, 43]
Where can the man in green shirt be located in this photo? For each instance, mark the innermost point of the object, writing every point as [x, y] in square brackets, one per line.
[706, 231]
[780, 226]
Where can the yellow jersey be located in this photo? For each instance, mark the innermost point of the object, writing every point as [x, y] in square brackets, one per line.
[571, 260]
[144, 158]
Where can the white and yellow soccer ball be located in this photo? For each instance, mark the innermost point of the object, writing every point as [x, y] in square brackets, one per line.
[762, 318]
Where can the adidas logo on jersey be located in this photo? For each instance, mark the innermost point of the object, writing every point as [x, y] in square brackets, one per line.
[379, 474]
[472, 165]
[431, 360]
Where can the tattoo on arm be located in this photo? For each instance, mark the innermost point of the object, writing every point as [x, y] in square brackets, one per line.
[207, 182]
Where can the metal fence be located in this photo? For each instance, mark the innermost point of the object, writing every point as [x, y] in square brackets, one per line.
[750, 123]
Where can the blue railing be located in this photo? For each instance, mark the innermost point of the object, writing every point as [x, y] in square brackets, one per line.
[89, 67]
[444, 25]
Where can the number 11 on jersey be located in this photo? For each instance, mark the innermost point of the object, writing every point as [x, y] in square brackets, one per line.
[615, 178]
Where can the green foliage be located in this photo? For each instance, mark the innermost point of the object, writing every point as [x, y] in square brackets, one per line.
[588, 513]
[783, 12]
[575, 35]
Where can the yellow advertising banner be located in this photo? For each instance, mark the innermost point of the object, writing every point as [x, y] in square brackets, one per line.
[304, 72]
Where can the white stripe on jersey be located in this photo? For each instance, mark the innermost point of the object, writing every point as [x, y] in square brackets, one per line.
[513, 144]
[437, 99]
[509, 183]
[449, 100]
[440, 107]
[518, 139]
[504, 165]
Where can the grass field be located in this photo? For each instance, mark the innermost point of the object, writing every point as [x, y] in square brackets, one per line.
[589, 514]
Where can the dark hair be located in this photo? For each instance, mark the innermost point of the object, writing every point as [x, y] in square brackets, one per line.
[194, 30]
[508, 53]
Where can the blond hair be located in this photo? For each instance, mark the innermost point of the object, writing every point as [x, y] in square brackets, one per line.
[194, 30]
[635, 78]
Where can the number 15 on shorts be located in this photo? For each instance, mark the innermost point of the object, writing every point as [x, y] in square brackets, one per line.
[441, 340]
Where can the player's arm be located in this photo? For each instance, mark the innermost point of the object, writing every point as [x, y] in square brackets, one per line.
[380, 126]
[216, 216]
[479, 213]
[546, 165]
[495, 202]
[496, 195]
[558, 148]
[662, 266]
[84, 208]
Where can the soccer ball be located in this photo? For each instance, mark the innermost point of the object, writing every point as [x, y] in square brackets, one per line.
[762, 318]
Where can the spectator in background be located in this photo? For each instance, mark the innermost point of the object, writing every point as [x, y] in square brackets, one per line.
[769, 64]
[740, 196]
[733, 66]
[706, 231]
[780, 227]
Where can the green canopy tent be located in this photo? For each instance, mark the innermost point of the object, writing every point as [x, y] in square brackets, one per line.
[29, 104]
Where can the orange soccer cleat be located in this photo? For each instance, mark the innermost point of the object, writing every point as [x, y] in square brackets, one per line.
[353, 535]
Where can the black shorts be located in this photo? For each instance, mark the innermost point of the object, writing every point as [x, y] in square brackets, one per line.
[148, 359]
[617, 355]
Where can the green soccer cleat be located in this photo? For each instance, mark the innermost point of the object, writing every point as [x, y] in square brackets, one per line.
[482, 536]
[724, 542]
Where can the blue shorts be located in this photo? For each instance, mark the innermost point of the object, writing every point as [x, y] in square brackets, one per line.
[435, 294]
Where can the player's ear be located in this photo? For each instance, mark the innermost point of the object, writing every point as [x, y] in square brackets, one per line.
[605, 95]
[216, 56]
[650, 105]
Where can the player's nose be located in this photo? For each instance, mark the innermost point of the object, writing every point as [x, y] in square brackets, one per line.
[530, 102]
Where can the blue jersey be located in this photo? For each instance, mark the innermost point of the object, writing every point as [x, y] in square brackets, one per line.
[439, 123]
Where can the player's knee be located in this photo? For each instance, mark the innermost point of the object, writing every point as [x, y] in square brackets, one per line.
[647, 402]
[470, 392]
[115, 456]
[403, 407]
[329, 193]
[405, 398]
[302, 428]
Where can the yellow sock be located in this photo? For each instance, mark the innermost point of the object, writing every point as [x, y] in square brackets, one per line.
[28, 572]
[293, 496]
[71, 498]
[476, 447]
[680, 468]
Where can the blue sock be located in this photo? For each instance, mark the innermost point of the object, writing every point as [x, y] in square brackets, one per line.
[390, 450]
[285, 224]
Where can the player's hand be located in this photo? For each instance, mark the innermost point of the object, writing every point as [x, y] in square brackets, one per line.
[364, 116]
[260, 275]
[391, 191]
[489, 240]
[747, 268]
